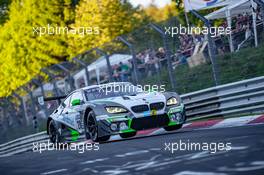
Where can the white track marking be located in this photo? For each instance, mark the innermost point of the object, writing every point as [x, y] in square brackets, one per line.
[55, 171]
[94, 161]
[186, 124]
[132, 153]
[89, 169]
[198, 173]
[158, 131]
[115, 172]
[115, 137]
[256, 165]
[238, 147]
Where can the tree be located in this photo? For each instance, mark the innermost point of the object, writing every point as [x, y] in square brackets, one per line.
[106, 20]
[23, 52]
[162, 14]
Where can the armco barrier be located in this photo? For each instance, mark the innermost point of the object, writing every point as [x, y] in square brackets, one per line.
[235, 98]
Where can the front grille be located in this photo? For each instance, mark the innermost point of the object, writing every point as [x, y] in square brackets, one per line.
[140, 108]
[150, 122]
[156, 106]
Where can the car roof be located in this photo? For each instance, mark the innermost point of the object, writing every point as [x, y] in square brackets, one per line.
[105, 85]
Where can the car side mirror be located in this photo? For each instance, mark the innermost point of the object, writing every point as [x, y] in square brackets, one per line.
[76, 102]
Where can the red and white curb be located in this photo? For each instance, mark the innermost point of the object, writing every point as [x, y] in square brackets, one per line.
[210, 124]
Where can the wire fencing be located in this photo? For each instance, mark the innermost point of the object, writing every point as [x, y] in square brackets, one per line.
[146, 56]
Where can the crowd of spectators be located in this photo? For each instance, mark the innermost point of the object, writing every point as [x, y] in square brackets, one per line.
[149, 62]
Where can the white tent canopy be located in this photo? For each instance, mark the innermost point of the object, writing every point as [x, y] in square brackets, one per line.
[114, 59]
[233, 9]
[236, 8]
[100, 66]
[202, 4]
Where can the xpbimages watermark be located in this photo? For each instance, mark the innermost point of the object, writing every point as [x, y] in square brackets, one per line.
[79, 147]
[182, 30]
[212, 147]
[57, 30]
[128, 88]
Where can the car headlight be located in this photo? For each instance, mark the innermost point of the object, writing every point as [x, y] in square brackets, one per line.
[172, 101]
[115, 110]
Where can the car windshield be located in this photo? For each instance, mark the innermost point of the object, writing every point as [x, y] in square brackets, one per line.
[108, 91]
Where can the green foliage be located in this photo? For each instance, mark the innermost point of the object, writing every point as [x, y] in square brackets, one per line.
[23, 52]
[107, 18]
[161, 14]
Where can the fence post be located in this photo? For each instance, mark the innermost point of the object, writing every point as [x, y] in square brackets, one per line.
[33, 107]
[22, 107]
[14, 112]
[261, 4]
[110, 72]
[70, 78]
[134, 58]
[168, 54]
[85, 66]
[5, 117]
[10, 114]
[211, 48]
[38, 83]
[52, 76]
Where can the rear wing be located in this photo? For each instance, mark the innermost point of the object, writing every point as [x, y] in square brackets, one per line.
[58, 98]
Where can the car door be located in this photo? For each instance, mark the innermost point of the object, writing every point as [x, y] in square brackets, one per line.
[66, 116]
[76, 110]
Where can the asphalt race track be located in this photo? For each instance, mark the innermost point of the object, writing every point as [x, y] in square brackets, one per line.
[149, 155]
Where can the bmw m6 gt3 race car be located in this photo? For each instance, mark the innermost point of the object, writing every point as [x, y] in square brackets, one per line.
[100, 111]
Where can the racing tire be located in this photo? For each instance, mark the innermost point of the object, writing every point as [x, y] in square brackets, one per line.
[54, 134]
[128, 134]
[173, 128]
[91, 129]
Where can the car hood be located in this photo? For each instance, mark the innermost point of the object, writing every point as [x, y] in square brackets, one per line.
[134, 100]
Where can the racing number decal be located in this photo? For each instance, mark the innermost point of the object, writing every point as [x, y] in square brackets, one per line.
[78, 121]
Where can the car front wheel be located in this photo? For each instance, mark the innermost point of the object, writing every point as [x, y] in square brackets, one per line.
[54, 135]
[92, 129]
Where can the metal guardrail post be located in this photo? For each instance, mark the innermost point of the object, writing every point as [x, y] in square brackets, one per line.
[9, 114]
[4, 124]
[33, 107]
[110, 71]
[70, 78]
[52, 76]
[261, 4]
[38, 83]
[22, 107]
[134, 59]
[211, 47]
[168, 54]
[14, 112]
[85, 66]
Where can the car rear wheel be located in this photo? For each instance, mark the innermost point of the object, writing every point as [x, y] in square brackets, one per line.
[128, 134]
[173, 128]
[92, 129]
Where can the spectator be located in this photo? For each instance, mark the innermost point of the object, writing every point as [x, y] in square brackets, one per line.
[116, 75]
[161, 56]
[180, 58]
[124, 72]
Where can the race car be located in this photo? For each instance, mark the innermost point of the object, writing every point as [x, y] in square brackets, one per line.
[100, 111]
